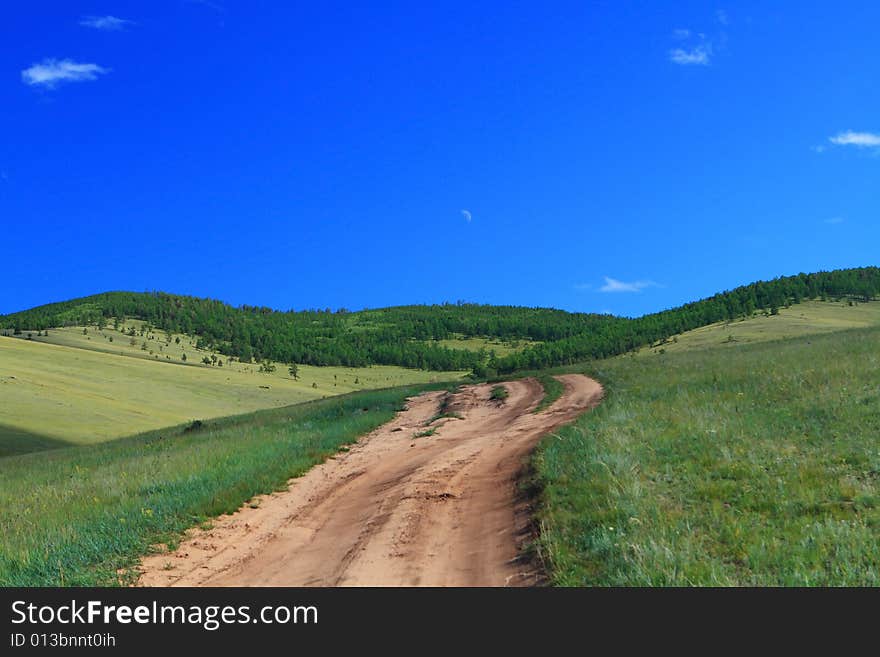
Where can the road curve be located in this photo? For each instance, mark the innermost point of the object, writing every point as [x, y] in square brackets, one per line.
[394, 510]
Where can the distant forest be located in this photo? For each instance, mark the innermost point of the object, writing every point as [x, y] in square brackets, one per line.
[409, 335]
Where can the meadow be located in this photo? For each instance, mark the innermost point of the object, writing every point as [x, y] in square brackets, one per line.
[83, 515]
[500, 347]
[752, 464]
[805, 318]
[83, 385]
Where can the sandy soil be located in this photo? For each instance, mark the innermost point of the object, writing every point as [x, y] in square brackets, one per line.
[395, 510]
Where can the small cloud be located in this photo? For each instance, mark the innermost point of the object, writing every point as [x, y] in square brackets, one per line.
[4, 176]
[466, 214]
[681, 34]
[722, 17]
[698, 55]
[582, 286]
[818, 149]
[51, 72]
[613, 285]
[857, 139]
[835, 220]
[106, 23]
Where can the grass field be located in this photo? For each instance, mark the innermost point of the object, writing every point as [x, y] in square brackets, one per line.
[82, 516]
[807, 318]
[500, 347]
[759, 466]
[85, 391]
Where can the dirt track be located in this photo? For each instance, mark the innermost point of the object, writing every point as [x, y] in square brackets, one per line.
[394, 510]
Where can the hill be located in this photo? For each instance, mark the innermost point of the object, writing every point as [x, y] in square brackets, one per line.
[700, 468]
[805, 318]
[78, 516]
[54, 395]
[419, 336]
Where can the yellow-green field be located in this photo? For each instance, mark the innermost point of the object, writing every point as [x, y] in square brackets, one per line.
[807, 318]
[500, 347]
[85, 391]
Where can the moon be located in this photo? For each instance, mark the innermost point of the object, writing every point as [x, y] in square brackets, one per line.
[466, 214]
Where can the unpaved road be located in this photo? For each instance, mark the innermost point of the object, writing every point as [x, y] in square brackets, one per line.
[395, 510]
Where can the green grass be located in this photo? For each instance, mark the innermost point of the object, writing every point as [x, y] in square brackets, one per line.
[77, 516]
[553, 390]
[427, 433]
[759, 466]
[67, 388]
[444, 416]
[499, 346]
[807, 318]
[499, 393]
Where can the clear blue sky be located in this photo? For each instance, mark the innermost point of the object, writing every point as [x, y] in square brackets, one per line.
[614, 156]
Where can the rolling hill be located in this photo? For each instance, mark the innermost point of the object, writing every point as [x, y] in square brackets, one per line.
[744, 464]
[412, 336]
[118, 363]
[712, 460]
[55, 395]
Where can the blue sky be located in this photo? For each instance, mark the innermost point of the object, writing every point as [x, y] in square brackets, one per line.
[614, 156]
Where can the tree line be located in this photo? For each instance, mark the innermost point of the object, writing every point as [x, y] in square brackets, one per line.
[409, 335]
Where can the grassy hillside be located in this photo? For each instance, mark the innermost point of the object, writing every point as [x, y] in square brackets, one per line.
[753, 466]
[435, 337]
[488, 345]
[806, 318]
[93, 389]
[76, 516]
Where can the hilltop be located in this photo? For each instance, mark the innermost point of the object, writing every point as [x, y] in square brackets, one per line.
[434, 337]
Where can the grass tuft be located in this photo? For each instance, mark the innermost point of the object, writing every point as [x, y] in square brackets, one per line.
[499, 393]
[553, 390]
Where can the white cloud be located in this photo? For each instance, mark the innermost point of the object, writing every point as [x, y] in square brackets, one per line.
[857, 139]
[681, 33]
[698, 55]
[722, 17]
[613, 285]
[106, 23]
[51, 72]
[467, 215]
[835, 220]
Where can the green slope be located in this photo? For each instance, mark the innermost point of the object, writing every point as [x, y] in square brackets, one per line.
[419, 336]
[76, 516]
[711, 466]
[52, 395]
[806, 318]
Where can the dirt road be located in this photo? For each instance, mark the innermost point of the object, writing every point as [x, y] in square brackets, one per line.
[395, 510]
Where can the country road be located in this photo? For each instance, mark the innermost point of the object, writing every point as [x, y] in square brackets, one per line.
[395, 510]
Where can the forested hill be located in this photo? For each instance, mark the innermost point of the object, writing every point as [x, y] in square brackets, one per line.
[408, 335]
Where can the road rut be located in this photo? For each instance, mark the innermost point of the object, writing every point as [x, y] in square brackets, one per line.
[395, 510]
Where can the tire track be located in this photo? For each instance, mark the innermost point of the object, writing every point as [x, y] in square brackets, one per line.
[394, 510]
